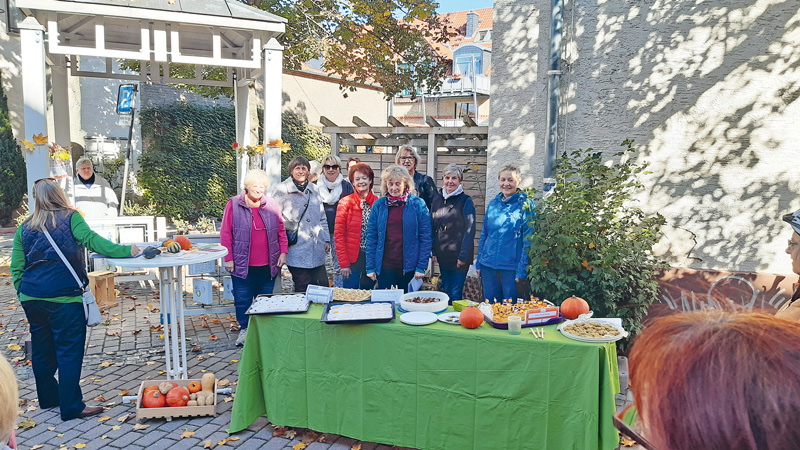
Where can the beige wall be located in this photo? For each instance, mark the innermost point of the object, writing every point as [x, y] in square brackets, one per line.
[311, 97]
[709, 91]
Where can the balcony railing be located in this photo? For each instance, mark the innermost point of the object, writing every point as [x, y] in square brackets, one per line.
[459, 87]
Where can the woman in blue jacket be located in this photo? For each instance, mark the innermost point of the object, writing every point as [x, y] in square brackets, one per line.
[398, 232]
[505, 226]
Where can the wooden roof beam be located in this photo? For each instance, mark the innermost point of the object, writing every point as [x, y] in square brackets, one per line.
[357, 121]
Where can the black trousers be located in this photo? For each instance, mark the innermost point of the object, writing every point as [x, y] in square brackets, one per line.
[302, 277]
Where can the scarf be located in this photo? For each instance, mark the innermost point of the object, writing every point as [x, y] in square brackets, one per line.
[331, 191]
[301, 186]
[458, 190]
[88, 183]
[397, 201]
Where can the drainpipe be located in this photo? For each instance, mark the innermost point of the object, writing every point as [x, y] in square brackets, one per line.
[553, 92]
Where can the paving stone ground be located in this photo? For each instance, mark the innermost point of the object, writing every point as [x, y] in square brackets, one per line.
[130, 339]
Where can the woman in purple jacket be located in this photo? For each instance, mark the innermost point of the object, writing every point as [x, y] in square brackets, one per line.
[253, 232]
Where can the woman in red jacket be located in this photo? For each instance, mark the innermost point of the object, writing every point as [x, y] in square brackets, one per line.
[350, 230]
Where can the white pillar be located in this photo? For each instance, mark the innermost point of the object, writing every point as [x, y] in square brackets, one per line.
[273, 105]
[59, 76]
[34, 98]
[241, 94]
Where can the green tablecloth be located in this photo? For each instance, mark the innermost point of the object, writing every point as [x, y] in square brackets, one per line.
[439, 386]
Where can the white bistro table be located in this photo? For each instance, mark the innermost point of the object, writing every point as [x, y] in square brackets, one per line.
[170, 284]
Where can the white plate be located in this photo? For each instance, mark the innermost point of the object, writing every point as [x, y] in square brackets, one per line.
[451, 318]
[622, 332]
[418, 318]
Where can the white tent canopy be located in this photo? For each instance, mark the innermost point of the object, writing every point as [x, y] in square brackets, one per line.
[223, 33]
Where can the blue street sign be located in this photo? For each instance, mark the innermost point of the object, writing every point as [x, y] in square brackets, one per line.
[125, 98]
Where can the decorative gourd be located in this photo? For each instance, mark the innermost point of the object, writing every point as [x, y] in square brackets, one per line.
[193, 387]
[150, 389]
[573, 307]
[173, 247]
[471, 317]
[186, 244]
[177, 397]
[166, 386]
[207, 382]
[153, 399]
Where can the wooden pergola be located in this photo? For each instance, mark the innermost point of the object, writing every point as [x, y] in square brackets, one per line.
[469, 137]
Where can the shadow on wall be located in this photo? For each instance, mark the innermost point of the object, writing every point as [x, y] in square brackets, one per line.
[298, 108]
[709, 91]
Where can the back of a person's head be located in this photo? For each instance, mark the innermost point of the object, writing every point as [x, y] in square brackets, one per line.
[9, 399]
[718, 380]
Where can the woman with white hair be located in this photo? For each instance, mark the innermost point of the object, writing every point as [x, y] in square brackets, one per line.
[453, 224]
[254, 234]
[93, 194]
[51, 297]
[408, 157]
[398, 232]
[9, 404]
[502, 260]
[333, 187]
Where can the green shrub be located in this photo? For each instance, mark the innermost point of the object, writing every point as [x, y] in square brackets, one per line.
[590, 240]
[190, 168]
[13, 172]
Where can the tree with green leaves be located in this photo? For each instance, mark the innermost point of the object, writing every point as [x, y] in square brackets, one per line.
[590, 239]
[388, 43]
[13, 173]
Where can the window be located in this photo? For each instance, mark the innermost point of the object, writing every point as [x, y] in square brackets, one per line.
[464, 110]
[467, 65]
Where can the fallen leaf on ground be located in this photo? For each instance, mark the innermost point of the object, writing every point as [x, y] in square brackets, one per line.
[200, 358]
[228, 399]
[291, 434]
[278, 431]
[99, 398]
[310, 436]
[107, 364]
[14, 347]
[213, 338]
[51, 428]
[222, 383]
[140, 426]
[37, 447]
[226, 440]
[149, 363]
[104, 418]
[116, 427]
[124, 418]
[197, 349]
[124, 392]
[104, 437]
[79, 445]
[211, 354]
[356, 447]
[31, 408]
[186, 434]
[299, 446]
[27, 424]
[208, 444]
[627, 442]
[321, 438]
[111, 403]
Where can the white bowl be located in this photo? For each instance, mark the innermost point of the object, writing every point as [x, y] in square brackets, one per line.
[438, 305]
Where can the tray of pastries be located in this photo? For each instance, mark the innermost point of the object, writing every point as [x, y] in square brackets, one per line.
[372, 312]
[279, 304]
[351, 295]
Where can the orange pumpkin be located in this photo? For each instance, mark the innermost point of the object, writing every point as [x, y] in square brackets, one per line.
[186, 244]
[471, 317]
[177, 397]
[194, 386]
[153, 399]
[573, 307]
[150, 388]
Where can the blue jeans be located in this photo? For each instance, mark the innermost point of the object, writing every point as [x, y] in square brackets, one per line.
[394, 277]
[498, 284]
[58, 337]
[259, 281]
[453, 282]
[358, 274]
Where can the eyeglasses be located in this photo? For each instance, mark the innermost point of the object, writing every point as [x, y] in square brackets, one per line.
[628, 415]
[407, 158]
[329, 167]
[793, 243]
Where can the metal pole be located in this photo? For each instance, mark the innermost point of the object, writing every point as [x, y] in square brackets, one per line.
[553, 88]
[128, 154]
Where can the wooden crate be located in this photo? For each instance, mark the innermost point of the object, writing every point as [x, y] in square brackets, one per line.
[101, 283]
[170, 412]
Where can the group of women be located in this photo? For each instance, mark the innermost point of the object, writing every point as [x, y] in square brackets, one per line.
[375, 242]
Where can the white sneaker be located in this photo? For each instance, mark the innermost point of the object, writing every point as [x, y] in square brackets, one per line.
[240, 339]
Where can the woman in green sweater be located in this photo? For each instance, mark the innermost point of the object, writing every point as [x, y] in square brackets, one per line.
[51, 297]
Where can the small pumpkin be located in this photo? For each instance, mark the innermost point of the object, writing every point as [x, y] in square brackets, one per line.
[471, 317]
[150, 388]
[153, 399]
[177, 397]
[173, 247]
[193, 387]
[573, 307]
[186, 244]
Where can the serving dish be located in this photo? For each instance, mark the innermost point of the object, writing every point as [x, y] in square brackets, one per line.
[428, 301]
[451, 318]
[418, 318]
[279, 304]
[373, 312]
[351, 295]
[609, 336]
